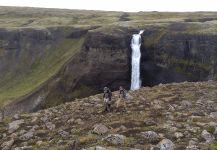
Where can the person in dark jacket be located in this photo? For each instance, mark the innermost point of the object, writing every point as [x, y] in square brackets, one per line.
[107, 97]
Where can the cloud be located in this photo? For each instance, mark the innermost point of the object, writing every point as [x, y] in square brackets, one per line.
[119, 5]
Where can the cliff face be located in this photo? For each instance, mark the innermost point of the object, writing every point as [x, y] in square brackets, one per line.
[171, 55]
[44, 63]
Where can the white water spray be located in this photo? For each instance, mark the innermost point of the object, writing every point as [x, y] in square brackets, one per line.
[136, 55]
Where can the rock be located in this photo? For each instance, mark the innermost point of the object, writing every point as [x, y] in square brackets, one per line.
[115, 139]
[185, 104]
[213, 115]
[192, 147]
[193, 144]
[178, 135]
[50, 126]
[129, 97]
[150, 122]
[166, 144]
[198, 113]
[39, 143]
[27, 136]
[63, 133]
[207, 136]
[151, 136]
[16, 116]
[44, 118]
[41, 133]
[79, 121]
[13, 126]
[122, 128]
[7, 145]
[72, 145]
[100, 129]
[71, 121]
[157, 104]
[34, 119]
[99, 148]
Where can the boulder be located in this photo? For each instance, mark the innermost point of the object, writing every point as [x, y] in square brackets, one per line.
[207, 136]
[100, 129]
[50, 125]
[27, 136]
[63, 133]
[178, 135]
[7, 145]
[115, 139]
[213, 115]
[166, 144]
[150, 136]
[13, 126]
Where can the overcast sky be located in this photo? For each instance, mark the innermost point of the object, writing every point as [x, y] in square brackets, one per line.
[119, 5]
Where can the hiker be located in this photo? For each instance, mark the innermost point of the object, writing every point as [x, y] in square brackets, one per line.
[121, 98]
[107, 96]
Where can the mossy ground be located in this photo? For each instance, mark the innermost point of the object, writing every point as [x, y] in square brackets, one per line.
[145, 104]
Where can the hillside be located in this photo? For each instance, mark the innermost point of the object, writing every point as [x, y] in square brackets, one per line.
[51, 56]
[179, 115]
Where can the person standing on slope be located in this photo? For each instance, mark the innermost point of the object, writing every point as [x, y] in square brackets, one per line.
[107, 97]
[122, 98]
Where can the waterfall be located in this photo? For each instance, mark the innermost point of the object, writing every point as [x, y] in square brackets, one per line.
[136, 55]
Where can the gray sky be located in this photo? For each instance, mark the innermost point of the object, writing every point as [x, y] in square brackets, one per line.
[120, 5]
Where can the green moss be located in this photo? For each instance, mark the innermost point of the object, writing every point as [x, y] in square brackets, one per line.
[213, 146]
[210, 129]
[43, 69]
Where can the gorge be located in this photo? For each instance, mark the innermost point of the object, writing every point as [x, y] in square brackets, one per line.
[45, 61]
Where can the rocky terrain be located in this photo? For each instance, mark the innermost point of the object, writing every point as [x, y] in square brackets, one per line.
[167, 116]
[52, 56]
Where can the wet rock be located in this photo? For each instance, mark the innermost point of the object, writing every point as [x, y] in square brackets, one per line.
[13, 126]
[207, 136]
[166, 144]
[7, 145]
[115, 139]
[100, 129]
[150, 136]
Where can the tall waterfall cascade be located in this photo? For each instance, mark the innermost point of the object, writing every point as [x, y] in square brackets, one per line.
[136, 56]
